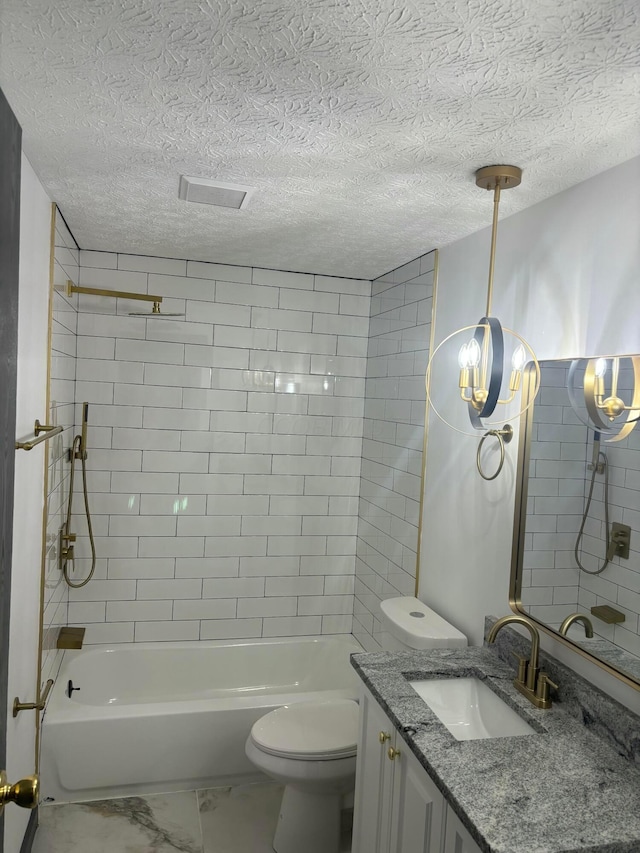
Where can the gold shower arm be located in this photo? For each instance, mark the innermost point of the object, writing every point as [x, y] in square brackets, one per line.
[115, 294]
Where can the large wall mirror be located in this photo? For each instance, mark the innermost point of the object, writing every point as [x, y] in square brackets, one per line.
[577, 532]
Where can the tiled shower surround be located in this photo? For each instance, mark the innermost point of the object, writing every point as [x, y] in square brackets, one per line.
[224, 450]
[400, 329]
[559, 482]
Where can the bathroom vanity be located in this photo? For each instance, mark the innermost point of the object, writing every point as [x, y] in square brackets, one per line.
[571, 784]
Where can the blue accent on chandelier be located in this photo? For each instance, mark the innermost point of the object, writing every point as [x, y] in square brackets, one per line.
[496, 369]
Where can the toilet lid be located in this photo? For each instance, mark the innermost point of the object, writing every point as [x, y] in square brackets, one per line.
[309, 730]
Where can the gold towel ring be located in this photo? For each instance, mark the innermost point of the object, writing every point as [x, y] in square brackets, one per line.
[504, 436]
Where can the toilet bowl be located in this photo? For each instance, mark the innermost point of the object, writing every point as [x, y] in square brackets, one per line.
[311, 748]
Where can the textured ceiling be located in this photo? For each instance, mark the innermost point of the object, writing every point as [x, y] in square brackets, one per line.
[360, 122]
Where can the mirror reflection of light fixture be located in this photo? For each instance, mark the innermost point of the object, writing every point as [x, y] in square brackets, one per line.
[605, 384]
[484, 381]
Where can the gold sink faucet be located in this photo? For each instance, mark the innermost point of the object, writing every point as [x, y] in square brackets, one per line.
[530, 681]
[577, 617]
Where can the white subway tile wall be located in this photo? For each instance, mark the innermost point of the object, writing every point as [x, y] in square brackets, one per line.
[398, 351]
[64, 318]
[224, 450]
[559, 481]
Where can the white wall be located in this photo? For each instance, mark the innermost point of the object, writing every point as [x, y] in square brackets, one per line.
[566, 279]
[35, 228]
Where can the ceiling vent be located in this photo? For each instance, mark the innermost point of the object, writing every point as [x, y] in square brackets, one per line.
[204, 191]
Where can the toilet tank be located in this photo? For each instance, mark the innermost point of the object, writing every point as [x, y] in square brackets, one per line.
[409, 624]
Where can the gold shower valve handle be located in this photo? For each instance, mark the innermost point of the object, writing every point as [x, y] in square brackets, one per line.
[24, 793]
[383, 737]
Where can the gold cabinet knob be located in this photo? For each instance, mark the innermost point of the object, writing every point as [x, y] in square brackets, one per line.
[384, 736]
[392, 753]
[24, 793]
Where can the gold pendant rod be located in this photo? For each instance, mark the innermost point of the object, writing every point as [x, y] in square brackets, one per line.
[116, 294]
[492, 254]
[496, 178]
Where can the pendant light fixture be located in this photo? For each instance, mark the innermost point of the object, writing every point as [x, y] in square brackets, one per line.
[489, 368]
[605, 394]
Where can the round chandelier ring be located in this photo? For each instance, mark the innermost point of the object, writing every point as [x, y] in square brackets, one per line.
[500, 420]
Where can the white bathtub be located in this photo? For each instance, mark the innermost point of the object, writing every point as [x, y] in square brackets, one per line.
[152, 717]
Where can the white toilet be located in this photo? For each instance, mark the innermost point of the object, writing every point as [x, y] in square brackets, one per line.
[311, 746]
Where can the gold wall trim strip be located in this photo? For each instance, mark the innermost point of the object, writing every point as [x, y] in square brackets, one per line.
[423, 474]
[45, 503]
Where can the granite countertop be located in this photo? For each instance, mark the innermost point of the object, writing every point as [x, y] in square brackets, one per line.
[560, 790]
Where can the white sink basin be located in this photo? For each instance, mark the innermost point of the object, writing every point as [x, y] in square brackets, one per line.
[470, 709]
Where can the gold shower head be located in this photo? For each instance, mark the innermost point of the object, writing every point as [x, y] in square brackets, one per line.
[155, 312]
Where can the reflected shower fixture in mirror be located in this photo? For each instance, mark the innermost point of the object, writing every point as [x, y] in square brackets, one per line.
[605, 394]
[576, 553]
[490, 358]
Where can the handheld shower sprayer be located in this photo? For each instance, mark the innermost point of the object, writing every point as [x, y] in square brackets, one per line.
[83, 435]
[596, 464]
[78, 451]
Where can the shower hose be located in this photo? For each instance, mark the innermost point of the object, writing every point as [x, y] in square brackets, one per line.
[601, 458]
[77, 448]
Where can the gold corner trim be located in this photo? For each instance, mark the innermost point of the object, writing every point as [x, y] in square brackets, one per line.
[45, 502]
[425, 433]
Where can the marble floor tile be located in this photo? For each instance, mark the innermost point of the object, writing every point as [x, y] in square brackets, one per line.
[243, 819]
[158, 823]
[240, 819]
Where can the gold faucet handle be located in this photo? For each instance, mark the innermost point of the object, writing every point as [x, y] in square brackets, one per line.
[523, 663]
[542, 687]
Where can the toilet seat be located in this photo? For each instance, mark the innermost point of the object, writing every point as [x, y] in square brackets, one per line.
[309, 731]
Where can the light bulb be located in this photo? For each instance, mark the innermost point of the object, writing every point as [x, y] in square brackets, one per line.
[473, 353]
[601, 367]
[463, 357]
[519, 357]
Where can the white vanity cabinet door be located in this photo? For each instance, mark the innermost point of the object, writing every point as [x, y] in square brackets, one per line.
[417, 811]
[457, 839]
[374, 780]
[397, 809]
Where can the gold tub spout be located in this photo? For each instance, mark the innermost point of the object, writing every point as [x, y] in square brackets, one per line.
[577, 617]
